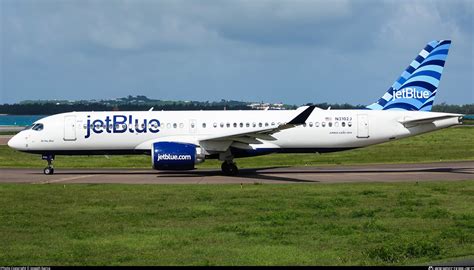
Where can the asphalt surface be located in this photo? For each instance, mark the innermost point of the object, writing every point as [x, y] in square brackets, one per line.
[4, 139]
[448, 171]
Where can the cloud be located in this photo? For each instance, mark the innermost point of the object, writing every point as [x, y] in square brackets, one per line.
[268, 50]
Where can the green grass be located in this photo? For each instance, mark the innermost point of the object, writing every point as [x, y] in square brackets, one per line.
[468, 121]
[444, 145]
[8, 132]
[322, 224]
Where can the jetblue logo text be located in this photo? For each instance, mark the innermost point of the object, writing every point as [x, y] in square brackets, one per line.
[411, 93]
[121, 124]
[173, 157]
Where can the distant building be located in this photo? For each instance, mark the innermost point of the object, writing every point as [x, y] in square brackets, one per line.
[266, 106]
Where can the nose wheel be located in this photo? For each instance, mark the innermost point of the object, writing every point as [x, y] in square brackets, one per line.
[229, 168]
[49, 169]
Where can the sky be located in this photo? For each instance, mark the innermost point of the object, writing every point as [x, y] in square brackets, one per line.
[293, 51]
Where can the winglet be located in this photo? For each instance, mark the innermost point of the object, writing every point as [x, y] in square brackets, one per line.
[301, 118]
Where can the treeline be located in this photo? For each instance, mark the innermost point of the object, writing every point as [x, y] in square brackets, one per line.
[464, 109]
[344, 106]
[443, 107]
[53, 108]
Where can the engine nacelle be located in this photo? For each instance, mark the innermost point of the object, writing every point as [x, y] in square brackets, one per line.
[176, 156]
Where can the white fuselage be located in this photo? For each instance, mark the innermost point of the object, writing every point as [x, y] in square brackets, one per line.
[135, 132]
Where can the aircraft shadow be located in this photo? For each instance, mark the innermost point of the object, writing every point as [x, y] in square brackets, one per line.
[254, 173]
[263, 174]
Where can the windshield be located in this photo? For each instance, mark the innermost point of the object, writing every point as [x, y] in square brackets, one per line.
[37, 127]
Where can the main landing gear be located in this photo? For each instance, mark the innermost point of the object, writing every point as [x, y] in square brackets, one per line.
[228, 165]
[229, 168]
[49, 169]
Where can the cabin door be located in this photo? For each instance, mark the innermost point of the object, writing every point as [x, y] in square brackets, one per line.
[362, 126]
[70, 128]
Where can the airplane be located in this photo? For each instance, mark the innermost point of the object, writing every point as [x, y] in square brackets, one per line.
[178, 140]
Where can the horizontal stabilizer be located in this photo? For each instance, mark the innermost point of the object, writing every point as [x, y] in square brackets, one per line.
[427, 120]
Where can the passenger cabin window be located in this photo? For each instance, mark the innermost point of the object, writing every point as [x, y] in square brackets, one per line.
[204, 125]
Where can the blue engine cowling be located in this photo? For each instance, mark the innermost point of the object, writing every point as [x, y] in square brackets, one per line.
[175, 156]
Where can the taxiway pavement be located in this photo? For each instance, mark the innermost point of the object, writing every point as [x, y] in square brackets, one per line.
[4, 139]
[446, 171]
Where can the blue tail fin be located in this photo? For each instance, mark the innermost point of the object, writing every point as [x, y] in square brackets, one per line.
[416, 88]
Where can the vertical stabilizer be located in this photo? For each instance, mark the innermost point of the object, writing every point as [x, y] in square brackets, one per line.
[416, 88]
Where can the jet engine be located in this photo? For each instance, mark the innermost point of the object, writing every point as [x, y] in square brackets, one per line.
[176, 156]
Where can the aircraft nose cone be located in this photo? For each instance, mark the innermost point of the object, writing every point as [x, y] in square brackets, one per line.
[16, 142]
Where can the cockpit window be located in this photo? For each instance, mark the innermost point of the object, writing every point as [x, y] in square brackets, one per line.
[37, 127]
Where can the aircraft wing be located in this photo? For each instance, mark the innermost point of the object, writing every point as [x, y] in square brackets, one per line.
[427, 120]
[222, 142]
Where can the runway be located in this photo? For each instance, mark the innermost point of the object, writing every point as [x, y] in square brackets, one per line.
[4, 139]
[447, 171]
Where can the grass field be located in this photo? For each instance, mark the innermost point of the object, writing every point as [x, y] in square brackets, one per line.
[334, 224]
[297, 224]
[444, 145]
[8, 132]
[468, 121]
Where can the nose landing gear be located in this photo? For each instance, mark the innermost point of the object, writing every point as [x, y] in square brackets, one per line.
[49, 169]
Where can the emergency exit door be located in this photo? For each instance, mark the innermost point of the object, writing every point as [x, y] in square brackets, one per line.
[70, 128]
[362, 126]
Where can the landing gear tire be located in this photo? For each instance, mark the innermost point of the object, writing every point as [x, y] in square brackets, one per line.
[48, 170]
[229, 168]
